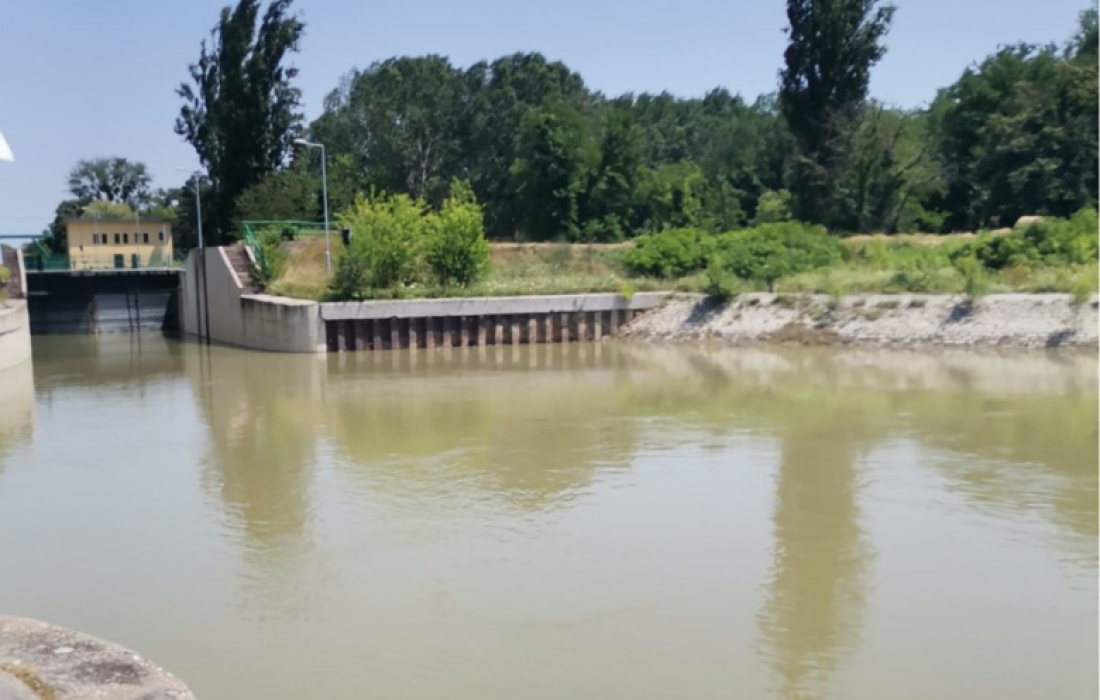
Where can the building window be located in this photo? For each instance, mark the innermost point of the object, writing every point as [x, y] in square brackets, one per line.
[126, 239]
[95, 239]
[145, 238]
[116, 239]
[162, 236]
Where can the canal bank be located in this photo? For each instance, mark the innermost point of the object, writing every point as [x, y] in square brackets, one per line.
[219, 302]
[997, 320]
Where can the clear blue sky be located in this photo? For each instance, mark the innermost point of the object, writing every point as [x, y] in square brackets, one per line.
[81, 79]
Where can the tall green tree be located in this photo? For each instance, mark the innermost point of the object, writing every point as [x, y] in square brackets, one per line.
[111, 179]
[399, 121]
[241, 111]
[497, 98]
[292, 194]
[551, 173]
[608, 202]
[1017, 133]
[833, 44]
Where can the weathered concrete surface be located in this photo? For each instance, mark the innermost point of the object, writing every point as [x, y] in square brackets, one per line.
[488, 306]
[15, 333]
[219, 299]
[1004, 320]
[53, 663]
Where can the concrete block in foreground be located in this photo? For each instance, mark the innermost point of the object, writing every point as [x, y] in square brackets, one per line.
[43, 662]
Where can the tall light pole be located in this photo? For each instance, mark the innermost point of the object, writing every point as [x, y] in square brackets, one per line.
[197, 175]
[324, 190]
[198, 200]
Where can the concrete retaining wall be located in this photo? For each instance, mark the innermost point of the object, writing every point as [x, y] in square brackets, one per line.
[214, 304]
[480, 321]
[15, 333]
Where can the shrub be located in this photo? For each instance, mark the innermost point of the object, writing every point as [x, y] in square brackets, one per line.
[1051, 242]
[273, 258]
[722, 284]
[669, 253]
[456, 250]
[772, 251]
[387, 237]
[975, 279]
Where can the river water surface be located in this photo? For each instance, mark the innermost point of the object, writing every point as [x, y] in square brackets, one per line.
[582, 522]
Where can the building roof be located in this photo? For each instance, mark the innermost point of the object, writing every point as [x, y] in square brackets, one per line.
[114, 220]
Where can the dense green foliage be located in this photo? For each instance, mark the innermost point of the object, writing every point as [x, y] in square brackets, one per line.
[456, 251]
[397, 242]
[112, 180]
[288, 195]
[669, 254]
[1051, 243]
[1017, 134]
[764, 253]
[769, 252]
[1052, 255]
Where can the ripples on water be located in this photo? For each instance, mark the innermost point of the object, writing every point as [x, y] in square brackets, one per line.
[561, 521]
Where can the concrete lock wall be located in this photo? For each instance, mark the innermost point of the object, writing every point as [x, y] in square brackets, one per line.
[15, 333]
[215, 298]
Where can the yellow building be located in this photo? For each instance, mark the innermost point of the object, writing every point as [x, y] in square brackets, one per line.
[97, 244]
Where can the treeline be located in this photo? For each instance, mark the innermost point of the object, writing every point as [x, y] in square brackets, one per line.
[548, 158]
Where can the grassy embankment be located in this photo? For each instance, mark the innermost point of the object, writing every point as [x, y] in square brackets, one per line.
[874, 264]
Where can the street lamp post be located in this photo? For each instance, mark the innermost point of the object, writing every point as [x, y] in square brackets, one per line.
[202, 256]
[324, 191]
[198, 201]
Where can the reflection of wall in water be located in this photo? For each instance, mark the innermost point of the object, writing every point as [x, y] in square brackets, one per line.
[122, 361]
[516, 426]
[16, 408]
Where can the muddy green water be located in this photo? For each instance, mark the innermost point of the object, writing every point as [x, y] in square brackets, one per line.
[581, 522]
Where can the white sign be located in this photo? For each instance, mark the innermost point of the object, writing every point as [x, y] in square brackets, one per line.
[5, 150]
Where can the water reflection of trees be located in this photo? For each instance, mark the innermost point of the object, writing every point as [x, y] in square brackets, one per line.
[261, 412]
[531, 429]
[1030, 423]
